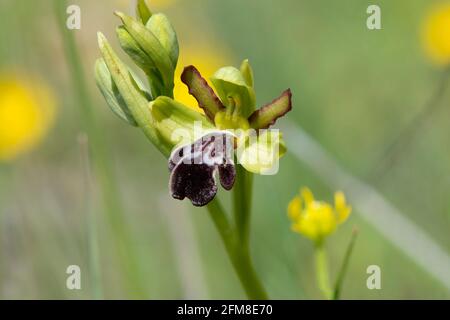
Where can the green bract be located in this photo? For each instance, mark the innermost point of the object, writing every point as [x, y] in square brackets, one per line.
[111, 93]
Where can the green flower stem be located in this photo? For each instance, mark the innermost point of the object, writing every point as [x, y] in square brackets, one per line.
[239, 255]
[102, 164]
[242, 199]
[323, 277]
[344, 267]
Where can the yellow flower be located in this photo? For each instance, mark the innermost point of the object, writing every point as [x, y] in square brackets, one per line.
[317, 219]
[206, 60]
[436, 34]
[26, 113]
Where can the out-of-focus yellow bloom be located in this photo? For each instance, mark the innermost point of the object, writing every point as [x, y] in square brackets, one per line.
[317, 219]
[27, 111]
[206, 60]
[436, 34]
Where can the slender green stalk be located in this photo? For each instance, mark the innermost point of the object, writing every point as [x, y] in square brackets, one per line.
[102, 164]
[242, 199]
[94, 256]
[239, 256]
[323, 276]
[344, 266]
[407, 134]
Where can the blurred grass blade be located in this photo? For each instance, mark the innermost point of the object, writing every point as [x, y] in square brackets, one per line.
[91, 221]
[344, 266]
[103, 166]
[404, 138]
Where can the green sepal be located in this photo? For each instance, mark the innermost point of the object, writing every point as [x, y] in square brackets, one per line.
[234, 92]
[175, 121]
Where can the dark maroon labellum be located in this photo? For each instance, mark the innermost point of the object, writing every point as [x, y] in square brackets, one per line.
[193, 168]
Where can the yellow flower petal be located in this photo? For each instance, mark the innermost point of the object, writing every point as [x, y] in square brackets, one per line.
[294, 208]
[307, 195]
[317, 219]
[343, 211]
[26, 112]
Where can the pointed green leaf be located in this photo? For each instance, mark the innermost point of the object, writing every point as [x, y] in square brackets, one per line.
[266, 116]
[202, 92]
[142, 11]
[161, 27]
[233, 90]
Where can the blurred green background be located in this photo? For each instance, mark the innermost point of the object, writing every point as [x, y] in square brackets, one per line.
[353, 90]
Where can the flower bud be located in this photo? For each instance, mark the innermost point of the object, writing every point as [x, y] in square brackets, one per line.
[152, 47]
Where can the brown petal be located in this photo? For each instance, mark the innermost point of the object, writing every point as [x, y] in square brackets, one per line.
[202, 92]
[266, 116]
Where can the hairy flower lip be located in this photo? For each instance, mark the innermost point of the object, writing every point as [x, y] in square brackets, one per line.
[193, 168]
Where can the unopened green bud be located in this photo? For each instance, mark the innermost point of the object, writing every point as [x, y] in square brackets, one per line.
[161, 27]
[142, 11]
[136, 53]
[152, 47]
